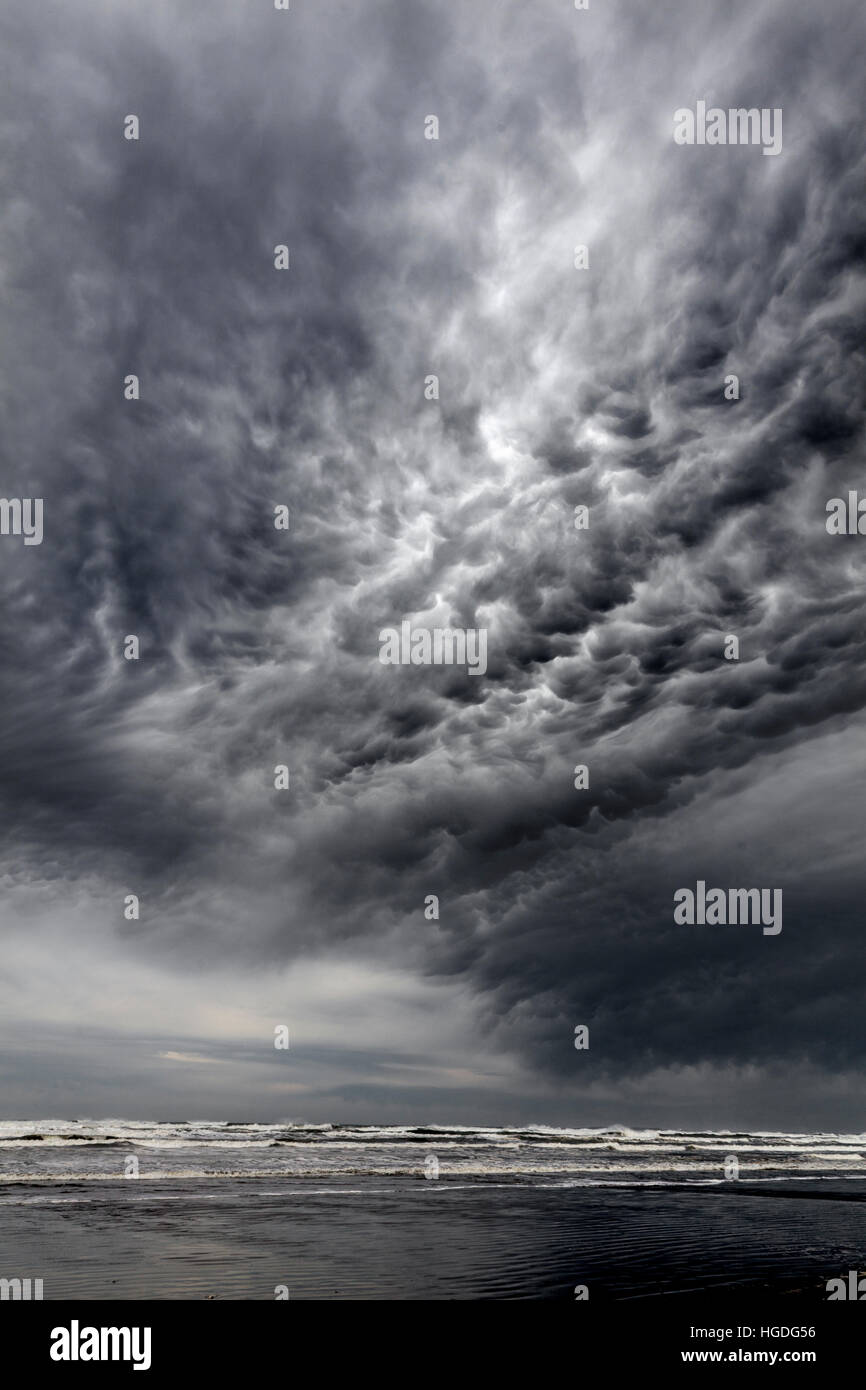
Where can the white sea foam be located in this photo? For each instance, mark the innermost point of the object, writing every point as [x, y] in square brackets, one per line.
[56, 1151]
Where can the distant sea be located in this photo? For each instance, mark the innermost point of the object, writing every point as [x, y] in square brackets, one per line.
[238, 1211]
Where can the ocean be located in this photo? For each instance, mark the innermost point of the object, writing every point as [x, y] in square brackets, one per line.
[120, 1209]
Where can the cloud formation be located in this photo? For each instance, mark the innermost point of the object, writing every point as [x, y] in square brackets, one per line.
[559, 387]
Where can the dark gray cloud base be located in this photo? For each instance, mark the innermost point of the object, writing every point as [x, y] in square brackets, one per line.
[558, 387]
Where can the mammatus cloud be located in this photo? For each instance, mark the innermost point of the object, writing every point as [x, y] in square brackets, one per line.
[558, 387]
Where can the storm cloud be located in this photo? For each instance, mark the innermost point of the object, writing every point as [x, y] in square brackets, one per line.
[559, 387]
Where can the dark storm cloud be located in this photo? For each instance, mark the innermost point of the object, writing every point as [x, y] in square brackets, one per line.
[558, 387]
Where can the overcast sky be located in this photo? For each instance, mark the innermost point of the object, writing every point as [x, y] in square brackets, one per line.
[558, 386]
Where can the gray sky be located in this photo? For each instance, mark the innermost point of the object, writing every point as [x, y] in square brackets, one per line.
[259, 647]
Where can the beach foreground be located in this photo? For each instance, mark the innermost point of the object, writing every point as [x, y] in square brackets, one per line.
[329, 1212]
